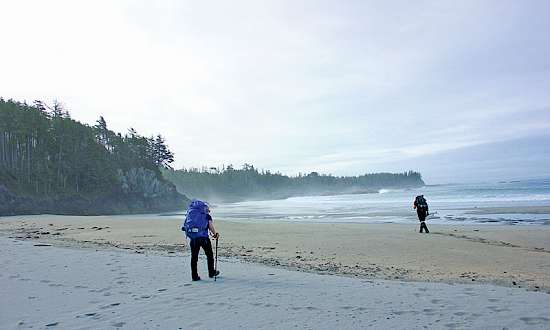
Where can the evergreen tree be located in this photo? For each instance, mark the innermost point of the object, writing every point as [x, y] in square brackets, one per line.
[46, 154]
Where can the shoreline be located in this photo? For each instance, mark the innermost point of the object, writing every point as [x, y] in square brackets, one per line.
[510, 256]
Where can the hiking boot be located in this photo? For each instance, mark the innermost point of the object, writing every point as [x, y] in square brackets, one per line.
[215, 274]
[196, 278]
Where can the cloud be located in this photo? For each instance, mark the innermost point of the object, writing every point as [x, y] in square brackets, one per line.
[292, 86]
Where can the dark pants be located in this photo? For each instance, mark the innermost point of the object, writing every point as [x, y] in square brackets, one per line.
[422, 218]
[423, 226]
[196, 245]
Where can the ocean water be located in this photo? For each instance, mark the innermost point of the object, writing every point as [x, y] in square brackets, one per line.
[511, 202]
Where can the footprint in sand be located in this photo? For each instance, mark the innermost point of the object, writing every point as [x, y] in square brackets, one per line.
[498, 309]
[535, 320]
[118, 324]
[404, 312]
[86, 315]
[109, 306]
[53, 324]
[428, 311]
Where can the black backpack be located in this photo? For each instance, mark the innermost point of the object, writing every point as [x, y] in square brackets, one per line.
[421, 202]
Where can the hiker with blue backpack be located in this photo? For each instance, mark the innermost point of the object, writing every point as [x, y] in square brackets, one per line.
[421, 206]
[196, 225]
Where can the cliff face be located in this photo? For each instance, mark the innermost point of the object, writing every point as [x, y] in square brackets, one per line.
[13, 204]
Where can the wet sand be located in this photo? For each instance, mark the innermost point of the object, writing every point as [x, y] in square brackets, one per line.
[510, 210]
[512, 256]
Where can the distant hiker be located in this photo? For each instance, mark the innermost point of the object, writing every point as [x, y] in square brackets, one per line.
[196, 225]
[421, 206]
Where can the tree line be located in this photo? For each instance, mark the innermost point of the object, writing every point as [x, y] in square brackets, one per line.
[50, 162]
[45, 155]
[231, 184]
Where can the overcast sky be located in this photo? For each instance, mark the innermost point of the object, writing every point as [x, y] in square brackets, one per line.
[341, 87]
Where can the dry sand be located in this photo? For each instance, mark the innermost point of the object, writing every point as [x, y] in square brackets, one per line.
[133, 272]
[516, 256]
[47, 287]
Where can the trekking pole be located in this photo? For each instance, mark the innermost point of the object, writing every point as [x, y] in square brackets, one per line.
[216, 262]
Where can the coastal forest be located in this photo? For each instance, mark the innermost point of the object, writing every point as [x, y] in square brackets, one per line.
[51, 163]
[248, 183]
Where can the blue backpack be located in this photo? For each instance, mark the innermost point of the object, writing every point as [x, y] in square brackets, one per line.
[196, 222]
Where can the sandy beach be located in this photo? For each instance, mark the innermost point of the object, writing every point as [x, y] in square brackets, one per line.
[46, 287]
[495, 254]
[133, 272]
